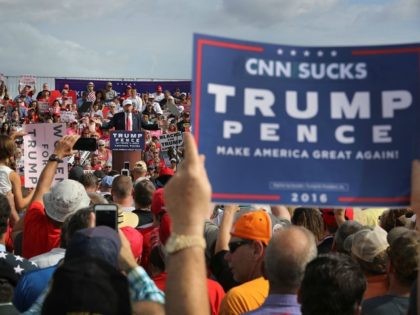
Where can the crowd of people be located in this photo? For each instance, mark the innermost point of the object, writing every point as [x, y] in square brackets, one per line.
[171, 250]
[91, 116]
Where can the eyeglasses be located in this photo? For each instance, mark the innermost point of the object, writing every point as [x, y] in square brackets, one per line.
[233, 246]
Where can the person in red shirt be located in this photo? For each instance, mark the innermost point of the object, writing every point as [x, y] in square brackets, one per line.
[95, 163]
[50, 206]
[159, 276]
[156, 264]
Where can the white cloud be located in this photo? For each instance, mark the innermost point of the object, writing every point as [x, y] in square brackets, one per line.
[403, 9]
[273, 12]
[30, 51]
[153, 39]
[56, 11]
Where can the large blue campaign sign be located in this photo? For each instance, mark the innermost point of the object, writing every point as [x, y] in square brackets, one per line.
[120, 140]
[307, 125]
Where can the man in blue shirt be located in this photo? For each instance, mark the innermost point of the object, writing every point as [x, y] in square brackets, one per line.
[289, 251]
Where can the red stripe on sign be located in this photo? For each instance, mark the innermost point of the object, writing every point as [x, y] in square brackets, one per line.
[198, 91]
[389, 51]
[246, 197]
[373, 199]
[198, 73]
[228, 45]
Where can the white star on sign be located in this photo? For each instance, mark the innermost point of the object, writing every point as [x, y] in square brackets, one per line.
[306, 53]
[320, 53]
[293, 52]
[280, 51]
[333, 53]
[18, 269]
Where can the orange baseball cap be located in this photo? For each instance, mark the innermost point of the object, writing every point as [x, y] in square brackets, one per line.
[254, 225]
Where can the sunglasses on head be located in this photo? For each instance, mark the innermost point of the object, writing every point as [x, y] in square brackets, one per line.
[233, 246]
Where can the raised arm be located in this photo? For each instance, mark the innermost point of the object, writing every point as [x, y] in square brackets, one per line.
[62, 149]
[20, 201]
[225, 226]
[187, 199]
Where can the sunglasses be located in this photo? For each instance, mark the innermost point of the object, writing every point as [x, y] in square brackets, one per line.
[233, 246]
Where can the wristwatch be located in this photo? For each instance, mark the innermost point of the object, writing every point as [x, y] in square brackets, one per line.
[178, 242]
[55, 158]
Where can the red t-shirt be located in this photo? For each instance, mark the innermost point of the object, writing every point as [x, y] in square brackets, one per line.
[150, 237]
[40, 234]
[216, 292]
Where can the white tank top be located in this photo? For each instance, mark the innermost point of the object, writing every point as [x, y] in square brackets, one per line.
[5, 184]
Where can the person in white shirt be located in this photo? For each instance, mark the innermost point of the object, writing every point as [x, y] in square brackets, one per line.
[135, 100]
[109, 93]
[156, 106]
[159, 95]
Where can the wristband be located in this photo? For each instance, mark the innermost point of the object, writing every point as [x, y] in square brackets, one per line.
[55, 158]
[178, 242]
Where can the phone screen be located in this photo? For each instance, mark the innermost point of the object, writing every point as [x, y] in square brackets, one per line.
[125, 172]
[86, 144]
[127, 165]
[106, 214]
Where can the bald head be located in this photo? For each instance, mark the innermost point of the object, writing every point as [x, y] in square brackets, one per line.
[289, 251]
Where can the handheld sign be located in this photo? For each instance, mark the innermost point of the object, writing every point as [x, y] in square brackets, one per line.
[307, 125]
[38, 146]
[66, 116]
[27, 79]
[172, 108]
[168, 140]
[126, 140]
[44, 107]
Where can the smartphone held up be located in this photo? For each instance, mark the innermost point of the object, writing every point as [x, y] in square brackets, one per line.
[106, 214]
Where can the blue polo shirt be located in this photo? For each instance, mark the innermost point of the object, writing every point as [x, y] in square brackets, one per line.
[279, 304]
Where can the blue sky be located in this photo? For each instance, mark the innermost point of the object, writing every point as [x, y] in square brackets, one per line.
[153, 39]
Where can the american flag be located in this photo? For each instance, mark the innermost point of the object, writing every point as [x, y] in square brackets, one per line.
[19, 264]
